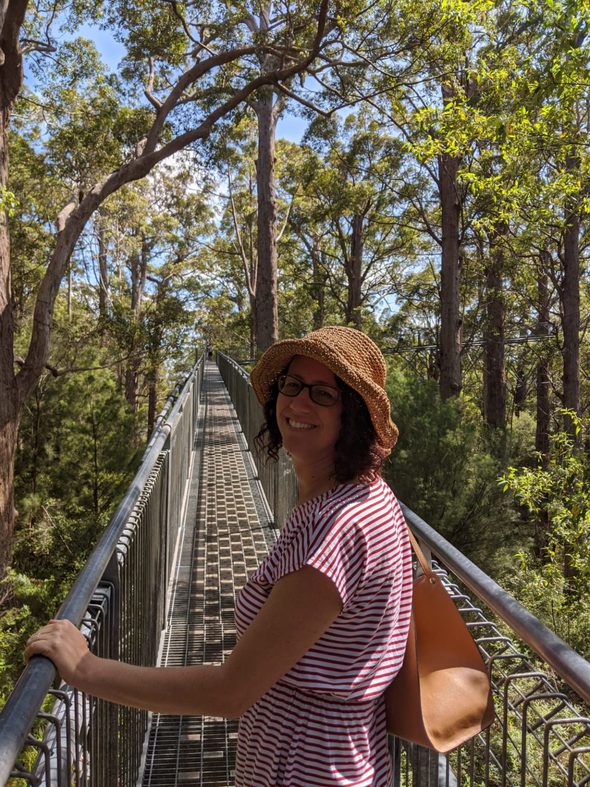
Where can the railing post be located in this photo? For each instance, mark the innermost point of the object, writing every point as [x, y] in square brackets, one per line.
[112, 580]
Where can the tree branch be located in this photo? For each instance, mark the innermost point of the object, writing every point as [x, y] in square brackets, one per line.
[72, 220]
[190, 76]
[149, 90]
[304, 101]
[55, 372]
[240, 245]
[174, 5]
[288, 213]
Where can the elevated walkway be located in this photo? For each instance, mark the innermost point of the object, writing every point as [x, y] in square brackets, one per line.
[227, 531]
[159, 588]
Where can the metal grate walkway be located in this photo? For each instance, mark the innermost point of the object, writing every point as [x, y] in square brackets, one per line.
[227, 531]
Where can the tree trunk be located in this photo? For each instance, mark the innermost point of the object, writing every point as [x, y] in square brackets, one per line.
[103, 273]
[267, 314]
[494, 361]
[253, 273]
[542, 375]
[319, 285]
[450, 324]
[9, 423]
[10, 398]
[138, 268]
[570, 307]
[252, 322]
[353, 272]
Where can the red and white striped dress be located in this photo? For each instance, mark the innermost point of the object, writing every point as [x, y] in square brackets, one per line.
[323, 723]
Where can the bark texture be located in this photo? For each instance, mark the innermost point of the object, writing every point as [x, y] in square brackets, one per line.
[450, 324]
[11, 393]
[319, 284]
[354, 270]
[494, 348]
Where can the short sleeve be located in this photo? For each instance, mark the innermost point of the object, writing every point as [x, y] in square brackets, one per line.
[341, 555]
[356, 537]
[329, 539]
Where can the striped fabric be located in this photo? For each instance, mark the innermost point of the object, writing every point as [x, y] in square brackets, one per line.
[323, 723]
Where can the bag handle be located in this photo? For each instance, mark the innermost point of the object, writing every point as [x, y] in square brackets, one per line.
[424, 564]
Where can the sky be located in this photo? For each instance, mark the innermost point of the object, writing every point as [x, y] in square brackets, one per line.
[289, 127]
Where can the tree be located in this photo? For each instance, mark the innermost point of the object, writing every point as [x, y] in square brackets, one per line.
[348, 215]
[197, 86]
[148, 241]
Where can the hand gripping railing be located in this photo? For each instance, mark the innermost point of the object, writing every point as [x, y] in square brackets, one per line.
[119, 598]
[541, 736]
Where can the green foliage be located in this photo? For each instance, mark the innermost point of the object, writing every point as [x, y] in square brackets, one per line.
[35, 193]
[501, 86]
[75, 462]
[445, 468]
[555, 492]
[25, 605]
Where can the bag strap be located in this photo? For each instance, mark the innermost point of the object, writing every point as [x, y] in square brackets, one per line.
[424, 564]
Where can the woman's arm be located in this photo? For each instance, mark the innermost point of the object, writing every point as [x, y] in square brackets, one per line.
[299, 609]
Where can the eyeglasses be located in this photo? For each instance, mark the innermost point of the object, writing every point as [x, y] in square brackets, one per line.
[324, 395]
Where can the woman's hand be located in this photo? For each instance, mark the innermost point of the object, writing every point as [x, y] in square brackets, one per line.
[65, 645]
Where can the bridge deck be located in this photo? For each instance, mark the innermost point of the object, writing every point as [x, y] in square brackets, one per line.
[227, 531]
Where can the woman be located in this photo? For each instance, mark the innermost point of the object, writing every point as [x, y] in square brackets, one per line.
[323, 621]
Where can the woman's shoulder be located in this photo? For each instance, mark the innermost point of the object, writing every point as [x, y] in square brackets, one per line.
[361, 493]
[346, 507]
[353, 503]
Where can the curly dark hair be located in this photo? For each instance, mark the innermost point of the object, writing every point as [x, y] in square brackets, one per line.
[357, 453]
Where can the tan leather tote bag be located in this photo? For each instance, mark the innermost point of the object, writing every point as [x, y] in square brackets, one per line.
[442, 695]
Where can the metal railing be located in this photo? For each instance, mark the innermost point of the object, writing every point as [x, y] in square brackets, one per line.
[277, 478]
[541, 735]
[62, 737]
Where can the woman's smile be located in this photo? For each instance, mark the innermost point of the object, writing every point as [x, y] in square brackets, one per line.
[298, 424]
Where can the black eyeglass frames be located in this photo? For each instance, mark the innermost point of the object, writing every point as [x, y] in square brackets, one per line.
[324, 395]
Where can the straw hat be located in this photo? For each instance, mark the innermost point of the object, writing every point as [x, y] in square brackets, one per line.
[351, 355]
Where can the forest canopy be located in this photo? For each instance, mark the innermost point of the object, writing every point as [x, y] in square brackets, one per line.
[437, 198]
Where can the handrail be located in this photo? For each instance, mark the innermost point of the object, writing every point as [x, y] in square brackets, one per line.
[278, 480]
[569, 665]
[18, 716]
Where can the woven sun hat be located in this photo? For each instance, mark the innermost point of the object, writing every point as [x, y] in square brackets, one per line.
[350, 355]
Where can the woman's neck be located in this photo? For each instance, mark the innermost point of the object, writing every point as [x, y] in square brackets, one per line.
[313, 480]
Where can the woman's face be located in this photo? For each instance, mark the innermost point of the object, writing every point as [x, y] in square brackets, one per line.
[309, 430]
